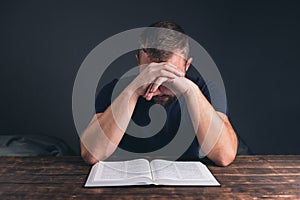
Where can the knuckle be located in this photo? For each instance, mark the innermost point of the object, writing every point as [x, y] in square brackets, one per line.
[150, 70]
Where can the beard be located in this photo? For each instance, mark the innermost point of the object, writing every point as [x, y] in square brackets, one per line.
[164, 100]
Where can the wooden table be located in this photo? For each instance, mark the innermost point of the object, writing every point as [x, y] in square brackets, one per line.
[249, 177]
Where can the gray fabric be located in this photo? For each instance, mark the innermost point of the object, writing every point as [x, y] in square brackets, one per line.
[33, 145]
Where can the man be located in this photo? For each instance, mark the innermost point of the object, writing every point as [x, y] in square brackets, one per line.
[162, 80]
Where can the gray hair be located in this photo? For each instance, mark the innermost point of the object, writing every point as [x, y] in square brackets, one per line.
[168, 37]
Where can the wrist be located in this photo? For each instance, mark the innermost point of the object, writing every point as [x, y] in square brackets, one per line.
[132, 92]
[191, 88]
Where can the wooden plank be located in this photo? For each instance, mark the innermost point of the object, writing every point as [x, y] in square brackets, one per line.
[249, 177]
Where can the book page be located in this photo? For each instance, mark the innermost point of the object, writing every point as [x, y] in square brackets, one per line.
[181, 173]
[133, 172]
[122, 170]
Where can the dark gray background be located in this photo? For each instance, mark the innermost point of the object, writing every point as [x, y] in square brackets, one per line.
[255, 44]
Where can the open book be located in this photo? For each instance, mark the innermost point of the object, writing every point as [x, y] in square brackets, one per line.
[143, 172]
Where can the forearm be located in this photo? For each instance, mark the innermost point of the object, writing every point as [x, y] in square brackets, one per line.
[214, 132]
[106, 130]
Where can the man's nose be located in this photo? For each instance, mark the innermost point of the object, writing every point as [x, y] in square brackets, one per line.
[158, 91]
[161, 90]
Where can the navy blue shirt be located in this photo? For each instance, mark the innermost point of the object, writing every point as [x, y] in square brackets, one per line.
[174, 112]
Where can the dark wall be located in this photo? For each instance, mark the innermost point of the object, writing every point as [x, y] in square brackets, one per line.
[255, 44]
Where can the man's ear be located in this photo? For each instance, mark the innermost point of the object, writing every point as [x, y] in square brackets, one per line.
[137, 57]
[188, 63]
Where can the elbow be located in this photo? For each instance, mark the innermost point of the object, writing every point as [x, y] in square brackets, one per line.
[224, 159]
[88, 158]
[226, 155]
[92, 158]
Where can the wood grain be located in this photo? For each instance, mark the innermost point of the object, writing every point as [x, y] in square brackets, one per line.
[249, 177]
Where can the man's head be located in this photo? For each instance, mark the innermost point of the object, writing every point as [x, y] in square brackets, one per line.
[173, 47]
